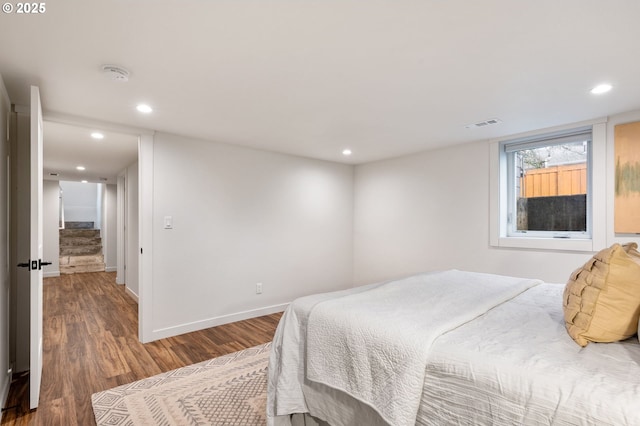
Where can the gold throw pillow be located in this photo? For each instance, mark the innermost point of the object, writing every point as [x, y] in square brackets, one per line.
[602, 298]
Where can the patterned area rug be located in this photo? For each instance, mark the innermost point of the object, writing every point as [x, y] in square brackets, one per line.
[229, 390]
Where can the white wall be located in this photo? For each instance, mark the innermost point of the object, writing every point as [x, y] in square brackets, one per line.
[133, 247]
[79, 200]
[5, 379]
[430, 211]
[99, 200]
[20, 240]
[242, 216]
[109, 228]
[121, 216]
[50, 231]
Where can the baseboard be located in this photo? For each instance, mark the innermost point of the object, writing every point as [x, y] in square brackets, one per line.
[50, 274]
[163, 333]
[4, 393]
[131, 293]
[111, 269]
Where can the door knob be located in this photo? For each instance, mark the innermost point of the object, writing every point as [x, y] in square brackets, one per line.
[41, 263]
[23, 265]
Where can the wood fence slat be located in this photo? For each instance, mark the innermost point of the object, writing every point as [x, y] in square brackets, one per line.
[556, 180]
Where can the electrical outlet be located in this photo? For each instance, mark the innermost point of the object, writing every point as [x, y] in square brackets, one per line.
[259, 288]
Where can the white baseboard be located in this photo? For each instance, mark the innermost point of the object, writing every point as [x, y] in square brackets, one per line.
[50, 274]
[111, 269]
[4, 393]
[163, 333]
[131, 293]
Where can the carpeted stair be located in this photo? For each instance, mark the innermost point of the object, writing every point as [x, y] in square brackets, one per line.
[80, 248]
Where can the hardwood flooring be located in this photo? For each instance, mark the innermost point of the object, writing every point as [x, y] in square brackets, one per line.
[91, 344]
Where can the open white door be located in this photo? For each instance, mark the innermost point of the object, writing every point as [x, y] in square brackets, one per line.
[35, 359]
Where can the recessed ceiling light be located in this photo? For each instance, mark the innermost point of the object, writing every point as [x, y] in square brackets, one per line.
[81, 168]
[346, 152]
[144, 108]
[97, 135]
[601, 88]
[83, 181]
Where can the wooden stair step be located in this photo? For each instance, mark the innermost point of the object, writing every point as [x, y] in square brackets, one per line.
[87, 233]
[80, 250]
[78, 225]
[81, 260]
[74, 269]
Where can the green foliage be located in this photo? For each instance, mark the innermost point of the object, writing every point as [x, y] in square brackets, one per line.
[532, 159]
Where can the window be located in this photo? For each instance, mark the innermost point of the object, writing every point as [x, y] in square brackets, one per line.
[548, 180]
[548, 190]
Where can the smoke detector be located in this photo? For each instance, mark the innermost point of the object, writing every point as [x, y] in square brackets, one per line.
[115, 73]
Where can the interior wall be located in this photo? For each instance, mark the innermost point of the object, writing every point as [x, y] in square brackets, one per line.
[51, 230]
[241, 217]
[19, 235]
[109, 228]
[430, 211]
[79, 201]
[5, 361]
[132, 238]
[99, 200]
[121, 216]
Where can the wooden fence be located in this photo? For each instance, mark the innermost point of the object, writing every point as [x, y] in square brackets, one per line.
[556, 180]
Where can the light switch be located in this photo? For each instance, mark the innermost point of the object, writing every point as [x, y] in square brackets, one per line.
[168, 222]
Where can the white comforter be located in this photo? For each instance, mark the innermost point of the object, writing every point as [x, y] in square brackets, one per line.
[374, 345]
[516, 364]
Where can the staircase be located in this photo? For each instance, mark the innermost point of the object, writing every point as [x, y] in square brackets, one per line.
[80, 248]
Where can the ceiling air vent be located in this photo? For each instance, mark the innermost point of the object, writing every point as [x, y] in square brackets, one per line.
[115, 73]
[484, 123]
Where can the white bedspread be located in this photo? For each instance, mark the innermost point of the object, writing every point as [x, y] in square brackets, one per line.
[517, 365]
[374, 345]
[288, 390]
[514, 365]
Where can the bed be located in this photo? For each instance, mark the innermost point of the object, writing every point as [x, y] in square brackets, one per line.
[489, 350]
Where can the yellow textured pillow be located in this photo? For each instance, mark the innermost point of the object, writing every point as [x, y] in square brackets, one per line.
[602, 299]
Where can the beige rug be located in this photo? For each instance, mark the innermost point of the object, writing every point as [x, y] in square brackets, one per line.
[229, 390]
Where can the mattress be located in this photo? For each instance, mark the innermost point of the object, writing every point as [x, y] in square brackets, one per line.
[515, 364]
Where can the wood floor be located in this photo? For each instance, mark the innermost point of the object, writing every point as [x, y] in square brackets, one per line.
[91, 344]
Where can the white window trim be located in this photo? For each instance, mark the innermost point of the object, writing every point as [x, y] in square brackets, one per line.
[498, 196]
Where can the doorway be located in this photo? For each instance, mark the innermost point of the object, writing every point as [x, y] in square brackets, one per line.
[88, 164]
[76, 153]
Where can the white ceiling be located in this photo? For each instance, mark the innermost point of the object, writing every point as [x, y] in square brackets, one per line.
[67, 147]
[384, 78]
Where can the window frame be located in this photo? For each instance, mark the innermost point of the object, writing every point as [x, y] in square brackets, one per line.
[596, 207]
[509, 148]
